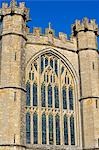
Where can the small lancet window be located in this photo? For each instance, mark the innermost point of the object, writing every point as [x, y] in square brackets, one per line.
[28, 94]
[65, 130]
[49, 95]
[51, 79]
[62, 69]
[56, 95]
[64, 97]
[72, 130]
[71, 98]
[43, 95]
[14, 96]
[34, 94]
[28, 128]
[43, 128]
[56, 67]
[57, 121]
[35, 65]
[35, 128]
[30, 75]
[46, 62]
[50, 129]
[42, 64]
[51, 63]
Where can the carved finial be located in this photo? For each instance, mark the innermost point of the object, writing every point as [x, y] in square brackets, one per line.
[13, 3]
[49, 25]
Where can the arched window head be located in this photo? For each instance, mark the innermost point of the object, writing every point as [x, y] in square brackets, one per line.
[43, 95]
[71, 98]
[28, 129]
[34, 94]
[35, 128]
[28, 94]
[57, 121]
[51, 129]
[49, 95]
[56, 96]
[72, 130]
[65, 130]
[43, 128]
[64, 97]
[51, 63]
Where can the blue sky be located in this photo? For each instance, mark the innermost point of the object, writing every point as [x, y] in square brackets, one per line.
[61, 13]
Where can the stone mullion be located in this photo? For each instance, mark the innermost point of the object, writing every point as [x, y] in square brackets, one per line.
[60, 104]
[39, 104]
[75, 112]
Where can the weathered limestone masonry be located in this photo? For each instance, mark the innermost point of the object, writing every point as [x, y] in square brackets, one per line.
[18, 47]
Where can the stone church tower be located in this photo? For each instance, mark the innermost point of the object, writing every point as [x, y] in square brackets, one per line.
[49, 86]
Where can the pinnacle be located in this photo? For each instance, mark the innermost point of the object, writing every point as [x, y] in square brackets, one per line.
[13, 3]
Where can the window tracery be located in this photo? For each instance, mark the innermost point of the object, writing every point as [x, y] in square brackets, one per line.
[50, 91]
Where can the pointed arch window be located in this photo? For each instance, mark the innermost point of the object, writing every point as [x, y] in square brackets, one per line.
[50, 129]
[49, 95]
[28, 94]
[35, 128]
[57, 120]
[72, 130]
[43, 128]
[56, 94]
[43, 95]
[70, 98]
[28, 129]
[65, 130]
[64, 97]
[34, 94]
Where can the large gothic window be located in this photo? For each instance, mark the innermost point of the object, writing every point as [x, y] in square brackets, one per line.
[50, 102]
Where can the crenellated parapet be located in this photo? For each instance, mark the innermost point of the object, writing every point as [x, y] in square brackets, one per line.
[85, 25]
[14, 8]
[49, 38]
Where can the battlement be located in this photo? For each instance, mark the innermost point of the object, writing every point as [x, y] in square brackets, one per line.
[85, 25]
[14, 8]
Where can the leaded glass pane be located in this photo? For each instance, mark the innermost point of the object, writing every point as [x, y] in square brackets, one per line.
[49, 96]
[43, 95]
[65, 130]
[64, 97]
[50, 129]
[35, 128]
[34, 94]
[28, 140]
[70, 98]
[57, 119]
[72, 130]
[43, 129]
[28, 94]
[56, 94]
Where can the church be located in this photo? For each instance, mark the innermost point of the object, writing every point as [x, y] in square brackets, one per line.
[49, 86]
